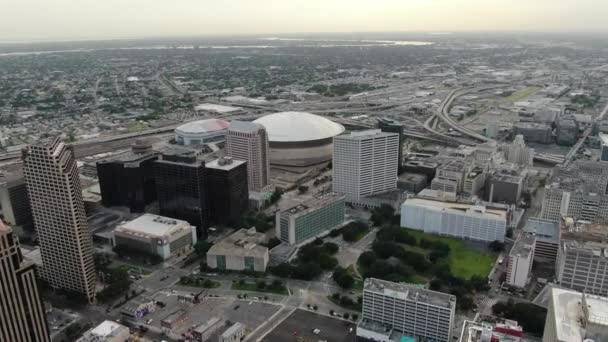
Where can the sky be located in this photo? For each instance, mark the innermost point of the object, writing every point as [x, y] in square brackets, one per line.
[27, 20]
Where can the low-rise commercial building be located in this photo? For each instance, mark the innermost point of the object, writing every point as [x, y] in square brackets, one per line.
[240, 251]
[412, 182]
[461, 220]
[414, 312]
[235, 333]
[204, 331]
[310, 219]
[534, 132]
[107, 331]
[163, 236]
[503, 187]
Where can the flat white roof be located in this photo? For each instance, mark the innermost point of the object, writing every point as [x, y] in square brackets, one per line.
[152, 225]
[460, 207]
[214, 164]
[567, 312]
[106, 328]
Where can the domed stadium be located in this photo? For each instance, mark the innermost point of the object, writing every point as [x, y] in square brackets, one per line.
[299, 139]
[201, 132]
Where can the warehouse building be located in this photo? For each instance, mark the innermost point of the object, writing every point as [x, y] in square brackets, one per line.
[163, 236]
[240, 251]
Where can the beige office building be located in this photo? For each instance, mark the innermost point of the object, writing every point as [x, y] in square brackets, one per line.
[22, 317]
[66, 245]
[249, 141]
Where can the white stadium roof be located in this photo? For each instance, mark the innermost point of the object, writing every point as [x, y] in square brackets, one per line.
[298, 126]
[203, 126]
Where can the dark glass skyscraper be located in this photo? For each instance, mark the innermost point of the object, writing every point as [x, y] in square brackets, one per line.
[180, 188]
[227, 190]
[128, 179]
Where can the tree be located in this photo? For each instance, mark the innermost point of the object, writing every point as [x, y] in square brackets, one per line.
[435, 285]
[510, 233]
[202, 247]
[465, 302]
[343, 278]
[496, 246]
[331, 248]
[261, 285]
[384, 214]
[302, 189]
[276, 196]
[479, 283]
[366, 259]
[346, 315]
[355, 317]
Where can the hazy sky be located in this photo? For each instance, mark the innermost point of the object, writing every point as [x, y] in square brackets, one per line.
[93, 19]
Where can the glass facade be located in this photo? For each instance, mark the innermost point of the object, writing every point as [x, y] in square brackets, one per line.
[128, 183]
[221, 262]
[228, 194]
[180, 187]
[249, 265]
[318, 221]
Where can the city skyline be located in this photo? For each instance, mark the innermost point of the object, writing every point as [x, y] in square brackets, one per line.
[33, 20]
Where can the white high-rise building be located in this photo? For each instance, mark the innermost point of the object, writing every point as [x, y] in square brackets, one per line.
[365, 163]
[66, 245]
[406, 310]
[518, 153]
[249, 141]
[575, 317]
[519, 262]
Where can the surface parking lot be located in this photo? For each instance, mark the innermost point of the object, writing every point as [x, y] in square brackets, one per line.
[299, 326]
[250, 313]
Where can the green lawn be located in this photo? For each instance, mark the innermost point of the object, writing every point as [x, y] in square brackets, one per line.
[246, 286]
[464, 262]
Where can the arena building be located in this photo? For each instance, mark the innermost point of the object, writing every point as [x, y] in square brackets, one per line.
[163, 236]
[201, 132]
[299, 139]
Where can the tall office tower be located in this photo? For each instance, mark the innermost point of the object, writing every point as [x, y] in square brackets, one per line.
[581, 265]
[128, 179]
[365, 163]
[405, 310]
[249, 141]
[227, 190]
[14, 201]
[390, 126]
[66, 245]
[604, 146]
[575, 317]
[180, 188]
[22, 317]
[518, 153]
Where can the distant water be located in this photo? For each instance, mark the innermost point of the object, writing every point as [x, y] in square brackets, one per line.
[299, 42]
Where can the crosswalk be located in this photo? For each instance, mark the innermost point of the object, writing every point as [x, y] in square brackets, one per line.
[485, 305]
